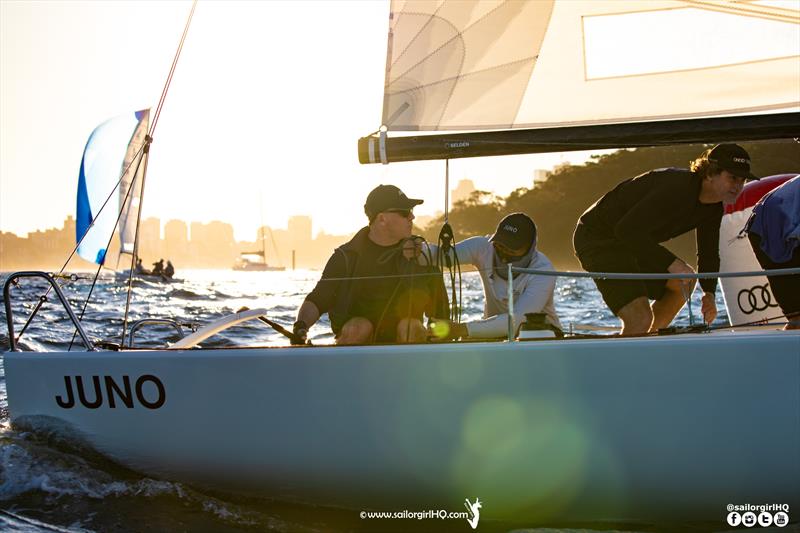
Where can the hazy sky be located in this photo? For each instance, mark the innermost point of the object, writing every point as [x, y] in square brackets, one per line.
[263, 116]
[267, 104]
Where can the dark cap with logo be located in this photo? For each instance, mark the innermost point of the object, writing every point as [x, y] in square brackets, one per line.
[516, 231]
[387, 197]
[733, 158]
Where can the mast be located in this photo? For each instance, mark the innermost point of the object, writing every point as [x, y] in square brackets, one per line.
[263, 245]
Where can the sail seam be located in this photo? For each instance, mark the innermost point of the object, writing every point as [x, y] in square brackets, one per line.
[458, 35]
[411, 41]
[462, 76]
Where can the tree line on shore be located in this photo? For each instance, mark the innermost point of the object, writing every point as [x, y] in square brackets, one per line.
[556, 203]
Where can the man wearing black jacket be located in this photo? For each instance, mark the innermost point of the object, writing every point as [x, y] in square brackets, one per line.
[623, 230]
[373, 288]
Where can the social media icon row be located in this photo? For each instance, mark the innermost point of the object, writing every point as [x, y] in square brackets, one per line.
[764, 519]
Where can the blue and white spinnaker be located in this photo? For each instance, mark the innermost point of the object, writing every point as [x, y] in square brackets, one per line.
[113, 148]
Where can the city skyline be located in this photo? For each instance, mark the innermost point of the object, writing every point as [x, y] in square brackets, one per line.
[461, 191]
[189, 244]
[195, 244]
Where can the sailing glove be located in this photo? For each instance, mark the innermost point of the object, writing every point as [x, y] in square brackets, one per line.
[299, 333]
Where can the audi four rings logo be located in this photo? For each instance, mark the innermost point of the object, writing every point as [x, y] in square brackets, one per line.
[756, 298]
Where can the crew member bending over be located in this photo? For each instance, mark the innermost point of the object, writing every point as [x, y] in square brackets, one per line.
[514, 243]
[623, 230]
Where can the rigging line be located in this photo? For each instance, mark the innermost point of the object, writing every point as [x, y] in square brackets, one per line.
[659, 275]
[172, 70]
[135, 254]
[385, 276]
[446, 189]
[761, 322]
[131, 187]
[446, 243]
[610, 275]
[687, 299]
[145, 156]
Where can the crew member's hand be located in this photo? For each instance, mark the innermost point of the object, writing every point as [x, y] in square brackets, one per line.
[444, 329]
[412, 247]
[299, 333]
[709, 308]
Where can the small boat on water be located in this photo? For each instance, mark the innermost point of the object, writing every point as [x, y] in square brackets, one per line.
[257, 261]
[660, 429]
[254, 262]
[146, 276]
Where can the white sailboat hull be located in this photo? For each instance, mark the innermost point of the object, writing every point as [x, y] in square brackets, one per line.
[663, 429]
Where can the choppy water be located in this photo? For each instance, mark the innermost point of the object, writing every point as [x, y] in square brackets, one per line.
[47, 486]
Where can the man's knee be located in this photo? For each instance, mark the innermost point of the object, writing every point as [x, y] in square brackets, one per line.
[636, 316]
[357, 330]
[411, 330]
[681, 286]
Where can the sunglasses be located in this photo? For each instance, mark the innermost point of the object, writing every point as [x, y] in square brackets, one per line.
[506, 255]
[405, 213]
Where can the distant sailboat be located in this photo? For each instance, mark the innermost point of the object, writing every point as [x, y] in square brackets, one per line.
[257, 261]
[112, 160]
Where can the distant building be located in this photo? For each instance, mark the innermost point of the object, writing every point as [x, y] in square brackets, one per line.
[213, 244]
[150, 239]
[176, 241]
[462, 191]
[300, 229]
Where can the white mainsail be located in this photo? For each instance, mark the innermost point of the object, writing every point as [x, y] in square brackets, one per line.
[471, 65]
[558, 75]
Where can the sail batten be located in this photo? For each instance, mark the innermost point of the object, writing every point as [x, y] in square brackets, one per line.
[477, 65]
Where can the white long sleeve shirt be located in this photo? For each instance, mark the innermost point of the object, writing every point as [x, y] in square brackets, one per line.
[532, 294]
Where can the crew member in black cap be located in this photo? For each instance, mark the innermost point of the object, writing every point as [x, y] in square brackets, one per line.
[513, 242]
[623, 230]
[362, 287]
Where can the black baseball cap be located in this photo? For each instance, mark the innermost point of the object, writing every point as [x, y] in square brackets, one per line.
[386, 197]
[516, 231]
[733, 158]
